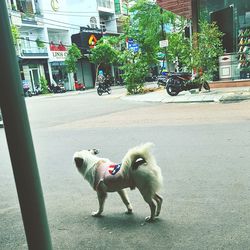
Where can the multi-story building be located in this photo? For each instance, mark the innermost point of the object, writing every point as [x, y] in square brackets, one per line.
[46, 27]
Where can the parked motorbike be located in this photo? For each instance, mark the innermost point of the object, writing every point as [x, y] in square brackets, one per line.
[56, 88]
[26, 88]
[79, 86]
[161, 80]
[102, 88]
[37, 91]
[178, 82]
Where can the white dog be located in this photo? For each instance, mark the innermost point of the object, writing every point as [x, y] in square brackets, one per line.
[138, 169]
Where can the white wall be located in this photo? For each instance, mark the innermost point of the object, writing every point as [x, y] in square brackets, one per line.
[71, 14]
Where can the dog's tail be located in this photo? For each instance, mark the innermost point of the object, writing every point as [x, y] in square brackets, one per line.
[139, 161]
[137, 156]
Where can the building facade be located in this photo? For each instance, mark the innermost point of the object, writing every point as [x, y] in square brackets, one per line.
[233, 19]
[45, 29]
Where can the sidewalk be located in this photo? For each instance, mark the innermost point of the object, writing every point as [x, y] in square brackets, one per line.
[219, 95]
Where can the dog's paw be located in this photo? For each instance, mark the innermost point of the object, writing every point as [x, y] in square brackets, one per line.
[149, 219]
[96, 214]
[129, 211]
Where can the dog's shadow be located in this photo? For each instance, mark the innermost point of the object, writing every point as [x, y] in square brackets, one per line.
[122, 221]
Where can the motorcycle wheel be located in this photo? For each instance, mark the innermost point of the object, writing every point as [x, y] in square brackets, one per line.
[109, 91]
[206, 85]
[99, 91]
[172, 91]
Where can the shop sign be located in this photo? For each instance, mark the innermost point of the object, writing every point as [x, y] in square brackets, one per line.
[58, 52]
[86, 40]
[59, 55]
[92, 41]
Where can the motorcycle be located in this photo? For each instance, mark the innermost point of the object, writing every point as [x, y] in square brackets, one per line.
[79, 86]
[37, 90]
[26, 88]
[161, 80]
[178, 82]
[102, 88]
[56, 88]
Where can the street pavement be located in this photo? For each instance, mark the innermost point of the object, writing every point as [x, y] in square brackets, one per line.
[202, 149]
[159, 94]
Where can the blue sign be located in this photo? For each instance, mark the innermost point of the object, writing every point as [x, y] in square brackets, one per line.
[132, 45]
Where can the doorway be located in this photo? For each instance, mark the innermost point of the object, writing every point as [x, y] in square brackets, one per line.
[34, 78]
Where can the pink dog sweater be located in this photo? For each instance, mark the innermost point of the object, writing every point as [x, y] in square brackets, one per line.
[112, 176]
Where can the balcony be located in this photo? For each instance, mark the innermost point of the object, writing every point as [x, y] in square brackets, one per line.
[106, 6]
[33, 52]
[28, 18]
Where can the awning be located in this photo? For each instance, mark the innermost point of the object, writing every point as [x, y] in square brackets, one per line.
[179, 7]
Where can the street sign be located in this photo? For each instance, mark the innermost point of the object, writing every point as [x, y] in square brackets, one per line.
[163, 43]
[132, 45]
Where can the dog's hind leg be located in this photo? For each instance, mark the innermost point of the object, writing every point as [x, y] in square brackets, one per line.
[152, 206]
[158, 200]
[149, 199]
[124, 197]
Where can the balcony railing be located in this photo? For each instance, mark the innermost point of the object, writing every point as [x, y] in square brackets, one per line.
[104, 4]
[34, 51]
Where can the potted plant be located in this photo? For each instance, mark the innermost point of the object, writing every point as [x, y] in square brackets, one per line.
[39, 43]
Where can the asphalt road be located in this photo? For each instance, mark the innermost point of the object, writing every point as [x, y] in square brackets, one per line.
[202, 149]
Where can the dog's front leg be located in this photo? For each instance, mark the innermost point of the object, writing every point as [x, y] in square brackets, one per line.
[102, 195]
[101, 198]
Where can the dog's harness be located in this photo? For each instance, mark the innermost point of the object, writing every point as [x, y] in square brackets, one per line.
[112, 176]
[113, 169]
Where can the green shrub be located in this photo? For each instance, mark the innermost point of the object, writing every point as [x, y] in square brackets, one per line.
[44, 85]
[135, 70]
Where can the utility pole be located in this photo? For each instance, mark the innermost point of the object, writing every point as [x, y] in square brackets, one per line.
[21, 149]
[164, 38]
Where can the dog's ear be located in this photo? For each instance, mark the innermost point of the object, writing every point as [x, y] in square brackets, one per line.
[94, 151]
[78, 161]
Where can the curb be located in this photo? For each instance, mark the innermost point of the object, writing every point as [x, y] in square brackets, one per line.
[206, 97]
[233, 97]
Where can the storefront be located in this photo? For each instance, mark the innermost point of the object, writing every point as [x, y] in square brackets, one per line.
[233, 19]
[32, 70]
[58, 53]
[86, 70]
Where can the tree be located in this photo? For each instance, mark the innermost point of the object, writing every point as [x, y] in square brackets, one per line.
[201, 53]
[74, 54]
[135, 70]
[145, 27]
[207, 48]
[103, 54]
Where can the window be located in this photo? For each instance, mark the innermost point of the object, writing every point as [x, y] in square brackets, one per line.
[104, 3]
[93, 22]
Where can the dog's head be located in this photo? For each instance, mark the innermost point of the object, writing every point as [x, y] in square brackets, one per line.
[83, 158]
